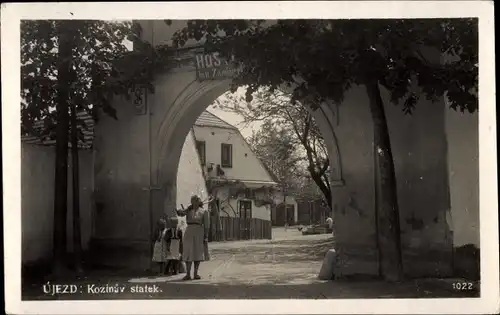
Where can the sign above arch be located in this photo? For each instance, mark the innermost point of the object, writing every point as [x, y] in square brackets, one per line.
[210, 66]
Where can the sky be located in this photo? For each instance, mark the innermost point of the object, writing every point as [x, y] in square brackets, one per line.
[235, 119]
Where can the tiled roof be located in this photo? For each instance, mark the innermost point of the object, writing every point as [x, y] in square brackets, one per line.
[207, 119]
[271, 173]
[87, 131]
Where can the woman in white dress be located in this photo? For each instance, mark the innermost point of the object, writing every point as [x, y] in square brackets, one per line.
[195, 241]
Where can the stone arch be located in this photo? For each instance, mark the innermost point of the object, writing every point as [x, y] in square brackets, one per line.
[125, 182]
[326, 119]
[188, 106]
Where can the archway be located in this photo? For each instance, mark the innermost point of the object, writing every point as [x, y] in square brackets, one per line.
[127, 184]
[189, 105]
[136, 172]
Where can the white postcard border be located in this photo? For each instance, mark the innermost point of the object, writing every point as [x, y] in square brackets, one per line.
[10, 32]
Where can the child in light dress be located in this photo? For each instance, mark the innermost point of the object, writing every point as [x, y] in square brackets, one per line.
[160, 249]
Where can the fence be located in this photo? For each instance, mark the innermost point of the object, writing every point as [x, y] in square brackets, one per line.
[312, 212]
[235, 229]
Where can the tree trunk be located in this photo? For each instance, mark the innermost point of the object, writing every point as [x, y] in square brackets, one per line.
[376, 193]
[61, 167]
[325, 190]
[77, 237]
[219, 221]
[284, 207]
[216, 207]
[388, 211]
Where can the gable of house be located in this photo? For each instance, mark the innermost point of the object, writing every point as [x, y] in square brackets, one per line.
[247, 167]
[207, 119]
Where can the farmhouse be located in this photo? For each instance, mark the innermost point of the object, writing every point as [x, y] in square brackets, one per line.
[241, 185]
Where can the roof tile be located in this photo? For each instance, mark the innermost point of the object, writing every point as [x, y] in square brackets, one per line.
[207, 119]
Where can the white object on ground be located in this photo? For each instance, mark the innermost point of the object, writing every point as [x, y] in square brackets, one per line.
[327, 268]
[330, 222]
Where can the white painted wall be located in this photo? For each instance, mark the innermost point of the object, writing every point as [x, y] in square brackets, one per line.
[190, 179]
[463, 167]
[246, 165]
[37, 201]
[231, 207]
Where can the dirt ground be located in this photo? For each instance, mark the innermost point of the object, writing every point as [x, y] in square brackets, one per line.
[285, 267]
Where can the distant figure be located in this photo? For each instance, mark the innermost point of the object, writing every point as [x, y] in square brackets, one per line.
[329, 221]
[160, 248]
[286, 226]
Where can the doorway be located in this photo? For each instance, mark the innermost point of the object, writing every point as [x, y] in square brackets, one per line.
[290, 215]
[245, 211]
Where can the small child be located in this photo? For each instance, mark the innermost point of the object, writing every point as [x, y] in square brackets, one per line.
[160, 248]
[174, 245]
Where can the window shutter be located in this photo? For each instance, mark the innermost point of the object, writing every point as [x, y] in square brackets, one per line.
[200, 146]
[226, 155]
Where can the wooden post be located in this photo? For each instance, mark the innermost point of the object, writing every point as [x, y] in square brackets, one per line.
[310, 212]
[77, 236]
[64, 61]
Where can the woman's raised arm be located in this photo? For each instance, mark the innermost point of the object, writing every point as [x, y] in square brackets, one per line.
[181, 213]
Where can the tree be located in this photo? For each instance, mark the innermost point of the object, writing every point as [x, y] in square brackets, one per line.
[322, 59]
[77, 237]
[85, 63]
[103, 67]
[297, 120]
[275, 147]
[64, 80]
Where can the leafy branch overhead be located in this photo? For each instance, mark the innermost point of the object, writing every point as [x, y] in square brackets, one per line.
[307, 152]
[322, 59]
[102, 67]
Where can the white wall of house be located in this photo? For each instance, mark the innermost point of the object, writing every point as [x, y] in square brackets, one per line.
[37, 201]
[190, 180]
[245, 167]
[290, 200]
[230, 206]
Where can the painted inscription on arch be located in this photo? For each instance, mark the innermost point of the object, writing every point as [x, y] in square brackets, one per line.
[213, 67]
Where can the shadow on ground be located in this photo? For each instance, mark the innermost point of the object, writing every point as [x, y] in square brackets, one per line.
[277, 269]
[292, 250]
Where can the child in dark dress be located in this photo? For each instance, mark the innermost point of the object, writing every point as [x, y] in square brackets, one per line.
[174, 244]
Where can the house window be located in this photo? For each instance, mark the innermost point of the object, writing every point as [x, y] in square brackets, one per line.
[226, 155]
[246, 209]
[200, 146]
